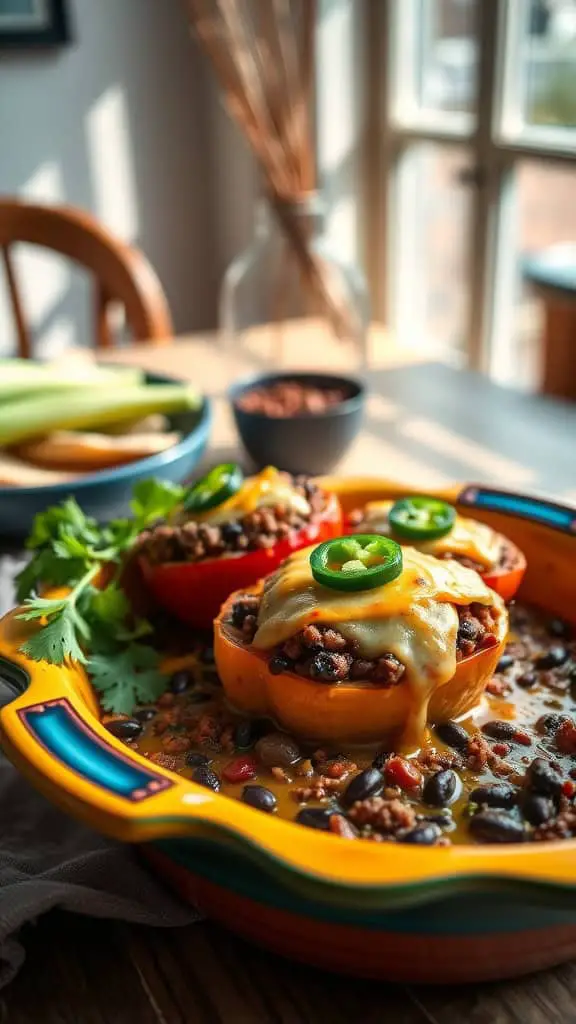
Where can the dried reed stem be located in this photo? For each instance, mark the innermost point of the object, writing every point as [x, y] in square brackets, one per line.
[262, 52]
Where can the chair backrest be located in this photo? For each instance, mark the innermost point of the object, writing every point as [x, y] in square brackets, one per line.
[121, 273]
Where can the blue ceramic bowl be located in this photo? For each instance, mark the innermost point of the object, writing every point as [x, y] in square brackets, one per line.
[311, 443]
[106, 494]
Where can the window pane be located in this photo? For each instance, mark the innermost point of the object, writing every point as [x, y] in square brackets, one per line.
[447, 55]
[431, 257]
[549, 58]
[546, 204]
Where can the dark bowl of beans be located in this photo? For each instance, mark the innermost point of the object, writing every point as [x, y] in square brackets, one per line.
[300, 422]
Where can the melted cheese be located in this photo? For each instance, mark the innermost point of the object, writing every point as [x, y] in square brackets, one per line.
[467, 538]
[266, 489]
[414, 617]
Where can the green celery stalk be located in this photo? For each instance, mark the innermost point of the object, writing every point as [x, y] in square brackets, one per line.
[90, 408]
[21, 377]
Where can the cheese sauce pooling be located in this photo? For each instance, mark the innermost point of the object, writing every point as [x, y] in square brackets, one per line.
[467, 538]
[265, 490]
[414, 617]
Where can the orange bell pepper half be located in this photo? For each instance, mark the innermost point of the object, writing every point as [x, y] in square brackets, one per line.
[341, 712]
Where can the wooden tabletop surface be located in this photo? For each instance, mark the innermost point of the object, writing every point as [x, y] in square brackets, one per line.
[424, 421]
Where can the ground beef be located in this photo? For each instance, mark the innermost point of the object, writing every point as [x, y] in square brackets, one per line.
[561, 827]
[388, 816]
[475, 630]
[192, 541]
[478, 754]
[246, 608]
[321, 652]
[317, 791]
[438, 760]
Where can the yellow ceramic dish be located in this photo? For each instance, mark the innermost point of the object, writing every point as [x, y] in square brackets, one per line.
[402, 912]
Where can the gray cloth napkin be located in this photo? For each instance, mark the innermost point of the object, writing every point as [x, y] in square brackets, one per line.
[47, 860]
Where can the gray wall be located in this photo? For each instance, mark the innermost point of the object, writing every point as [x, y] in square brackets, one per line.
[126, 123]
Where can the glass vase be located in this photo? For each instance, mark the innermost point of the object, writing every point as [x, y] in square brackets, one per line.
[270, 296]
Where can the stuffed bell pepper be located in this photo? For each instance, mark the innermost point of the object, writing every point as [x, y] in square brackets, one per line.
[359, 638]
[228, 533]
[434, 527]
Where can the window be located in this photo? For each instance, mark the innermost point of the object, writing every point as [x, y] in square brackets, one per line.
[474, 106]
[432, 258]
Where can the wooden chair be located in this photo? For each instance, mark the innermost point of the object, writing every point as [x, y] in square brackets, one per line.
[121, 273]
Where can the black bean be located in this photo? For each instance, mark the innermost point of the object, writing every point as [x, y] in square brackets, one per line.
[195, 760]
[549, 724]
[495, 794]
[144, 714]
[440, 788]
[246, 733]
[553, 658]
[560, 629]
[231, 531]
[498, 730]
[537, 808]
[496, 826]
[260, 797]
[277, 749]
[541, 778]
[421, 835]
[125, 728]
[506, 661]
[368, 783]
[278, 664]
[180, 681]
[204, 776]
[453, 735]
[527, 680]
[468, 629]
[315, 817]
[381, 758]
[207, 655]
[327, 667]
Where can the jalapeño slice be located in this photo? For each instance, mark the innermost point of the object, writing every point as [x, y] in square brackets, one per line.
[421, 519]
[361, 562]
[215, 488]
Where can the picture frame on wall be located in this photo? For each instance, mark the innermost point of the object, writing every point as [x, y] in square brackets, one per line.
[33, 23]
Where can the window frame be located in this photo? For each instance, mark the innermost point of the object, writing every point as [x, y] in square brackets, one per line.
[496, 138]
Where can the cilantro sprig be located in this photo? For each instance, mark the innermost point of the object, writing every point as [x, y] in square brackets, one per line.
[92, 624]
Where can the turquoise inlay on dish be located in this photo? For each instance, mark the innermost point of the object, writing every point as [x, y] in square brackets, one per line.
[60, 731]
[557, 516]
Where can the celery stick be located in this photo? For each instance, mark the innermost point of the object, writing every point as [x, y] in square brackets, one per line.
[91, 408]
[21, 377]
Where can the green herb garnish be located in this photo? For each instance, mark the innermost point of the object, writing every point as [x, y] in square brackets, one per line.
[94, 625]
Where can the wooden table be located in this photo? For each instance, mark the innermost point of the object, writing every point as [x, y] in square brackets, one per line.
[425, 421]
